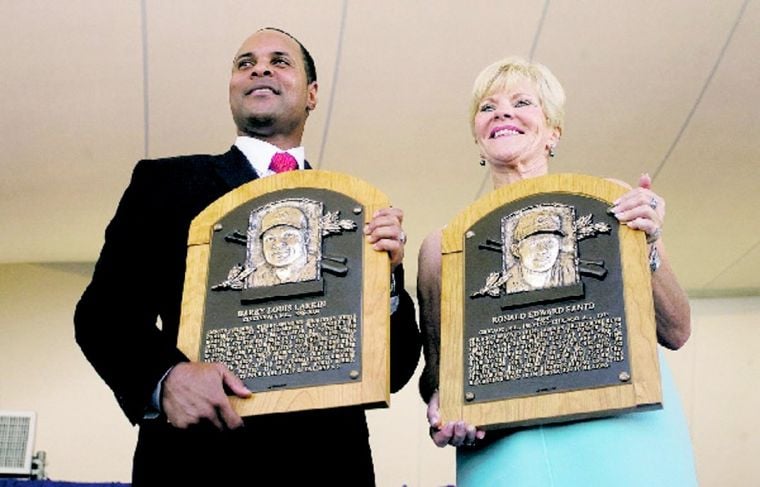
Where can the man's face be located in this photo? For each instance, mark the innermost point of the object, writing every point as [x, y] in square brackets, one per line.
[538, 252]
[283, 245]
[269, 96]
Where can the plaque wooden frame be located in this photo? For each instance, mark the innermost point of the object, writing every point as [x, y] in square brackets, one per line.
[372, 389]
[641, 392]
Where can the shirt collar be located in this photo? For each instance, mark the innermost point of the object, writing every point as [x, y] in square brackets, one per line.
[259, 153]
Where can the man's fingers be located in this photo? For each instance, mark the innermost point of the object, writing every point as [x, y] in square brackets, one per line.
[443, 436]
[215, 420]
[383, 219]
[229, 418]
[396, 213]
[440, 439]
[226, 415]
[234, 384]
[433, 411]
[460, 433]
[383, 230]
[470, 435]
[196, 392]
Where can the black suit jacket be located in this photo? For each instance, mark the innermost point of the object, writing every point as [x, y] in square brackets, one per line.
[139, 277]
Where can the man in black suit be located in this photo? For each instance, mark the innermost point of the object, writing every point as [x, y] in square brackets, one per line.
[189, 433]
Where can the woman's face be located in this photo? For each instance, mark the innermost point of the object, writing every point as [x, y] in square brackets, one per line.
[510, 126]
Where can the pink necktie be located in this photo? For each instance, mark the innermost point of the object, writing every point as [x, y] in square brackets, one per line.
[282, 161]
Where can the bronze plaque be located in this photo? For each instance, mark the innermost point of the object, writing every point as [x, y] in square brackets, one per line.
[283, 281]
[542, 312]
[269, 316]
[543, 299]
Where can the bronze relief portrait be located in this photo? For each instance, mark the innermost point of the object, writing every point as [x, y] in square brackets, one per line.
[540, 249]
[284, 243]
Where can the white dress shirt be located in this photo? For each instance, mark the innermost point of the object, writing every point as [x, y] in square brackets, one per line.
[259, 154]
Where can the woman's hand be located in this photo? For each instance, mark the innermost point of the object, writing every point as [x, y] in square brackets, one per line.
[452, 433]
[641, 209]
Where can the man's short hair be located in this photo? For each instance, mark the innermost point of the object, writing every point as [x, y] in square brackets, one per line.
[311, 68]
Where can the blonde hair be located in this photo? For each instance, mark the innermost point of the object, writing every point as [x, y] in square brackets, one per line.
[503, 74]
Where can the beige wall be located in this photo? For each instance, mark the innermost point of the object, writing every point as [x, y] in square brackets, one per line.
[715, 373]
[88, 439]
[79, 424]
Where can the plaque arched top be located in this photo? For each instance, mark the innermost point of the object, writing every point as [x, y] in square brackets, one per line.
[370, 197]
[578, 184]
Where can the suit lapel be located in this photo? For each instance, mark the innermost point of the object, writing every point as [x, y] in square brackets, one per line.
[234, 169]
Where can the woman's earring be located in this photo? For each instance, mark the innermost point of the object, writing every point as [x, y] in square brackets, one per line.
[551, 151]
[482, 162]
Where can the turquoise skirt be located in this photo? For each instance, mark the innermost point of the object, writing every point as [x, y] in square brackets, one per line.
[650, 448]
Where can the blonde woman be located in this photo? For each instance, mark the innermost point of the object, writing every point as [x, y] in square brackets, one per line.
[516, 118]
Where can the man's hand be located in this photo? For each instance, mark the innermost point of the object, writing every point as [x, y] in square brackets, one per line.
[384, 232]
[454, 434]
[193, 392]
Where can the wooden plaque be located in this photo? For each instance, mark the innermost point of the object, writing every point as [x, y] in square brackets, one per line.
[547, 312]
[283, 288]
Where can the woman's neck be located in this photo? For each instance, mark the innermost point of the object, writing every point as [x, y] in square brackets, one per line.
[502, 175]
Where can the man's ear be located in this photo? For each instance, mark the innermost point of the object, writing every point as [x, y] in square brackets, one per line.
[311, 98]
